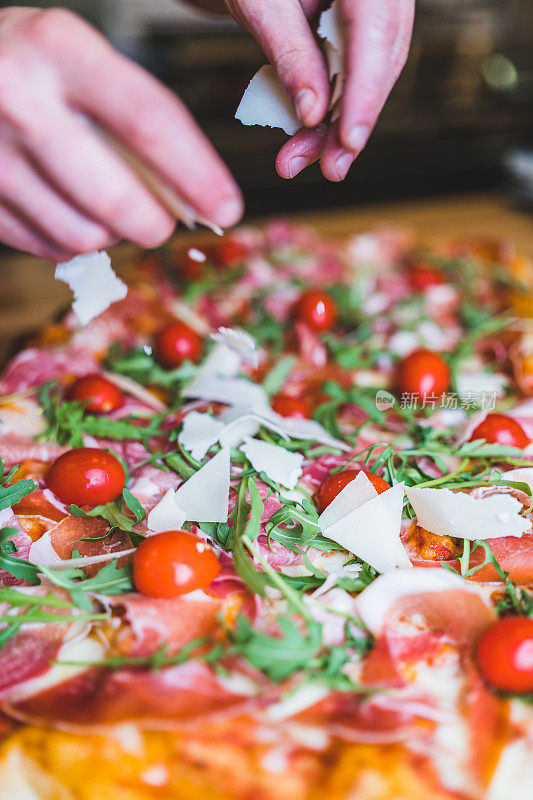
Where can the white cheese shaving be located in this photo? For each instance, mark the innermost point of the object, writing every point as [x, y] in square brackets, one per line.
[221, 362]
[277, 463]
[371, 531]
[302, 428]
[448, 513]
[42, 551]
[265, 102]
[353, 495]
[204, 497]
[240, 342]
[94, 283]
[375, 602]
[24, 416]
[135, 389]
[475, 384]
[231, 391]
[199, 433]
[166, 516]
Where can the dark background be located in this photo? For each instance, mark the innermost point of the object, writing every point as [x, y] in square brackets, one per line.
[463, 104]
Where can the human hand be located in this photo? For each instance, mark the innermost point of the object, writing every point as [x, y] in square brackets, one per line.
[63, 189]
[378, 34]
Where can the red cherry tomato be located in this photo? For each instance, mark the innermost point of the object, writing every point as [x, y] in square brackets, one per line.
[172, 563]
[192, 269]
[229, 252]
[87, 477]
[499, 429]
[176, 343]
[334, 484]
[423, 274]
[423, 372]
[505, 655]
[295, 407]
[103, 395]
[317, 309]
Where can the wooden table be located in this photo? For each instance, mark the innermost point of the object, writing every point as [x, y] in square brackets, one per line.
[30, 296]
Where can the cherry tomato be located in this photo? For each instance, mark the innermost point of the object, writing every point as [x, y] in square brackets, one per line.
[172, 563]
[500, 429]
[423, 277]
[103, 395]
[176, 343]
[190, 268]
[505, 655]
[87, 476]
[423, 372]
[229, 252]
[317, 309]
[334, 484]
[295, 407]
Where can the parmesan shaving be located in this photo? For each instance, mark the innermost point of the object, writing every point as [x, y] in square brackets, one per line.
[265, 102]
[94, 283]
[205, 496]
[199, 433]
[372, 530]
[277, 463]
[240, 342]
[166, 516]
[448, 513]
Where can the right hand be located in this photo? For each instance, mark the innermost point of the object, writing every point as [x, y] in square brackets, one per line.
[63, 190]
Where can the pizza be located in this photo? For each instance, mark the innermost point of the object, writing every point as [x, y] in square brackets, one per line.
[266, 528]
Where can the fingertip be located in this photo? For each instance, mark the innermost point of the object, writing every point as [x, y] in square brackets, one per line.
[310, 107]
[355, 137]
[229, 211]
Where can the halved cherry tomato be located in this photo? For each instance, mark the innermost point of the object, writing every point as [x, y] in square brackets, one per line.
[335, 483]
[176, 343]
[87, 476]
[295, 407]
[172, 563]
[505, 655]
[103, 395]
[423, 372]
[317, 309]
[500, 429]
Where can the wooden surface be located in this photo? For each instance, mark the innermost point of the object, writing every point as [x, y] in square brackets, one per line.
[31, 296]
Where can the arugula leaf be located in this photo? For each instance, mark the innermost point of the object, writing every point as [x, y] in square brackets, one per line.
[110, 579]
[278, 656]
[9, 495]
[142, 367]
[18, 567]
[68, 421]
[276, 377]
[113, 513]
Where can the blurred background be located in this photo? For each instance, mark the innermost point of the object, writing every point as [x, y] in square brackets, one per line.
[458, 120]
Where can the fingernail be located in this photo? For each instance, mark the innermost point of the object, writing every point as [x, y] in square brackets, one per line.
[229, 212]
[343, 164]
[358, 137]
[305, 100]
[296, 165]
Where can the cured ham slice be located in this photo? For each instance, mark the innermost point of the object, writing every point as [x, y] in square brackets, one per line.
[166, 699]
[150, 622]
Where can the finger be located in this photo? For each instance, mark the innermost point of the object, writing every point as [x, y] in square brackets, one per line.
[372, 33]
[335, 160]
[28, 193]
[95, 180]
[150, 120]
[17, 233]
[300, 151]
[283, 32]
